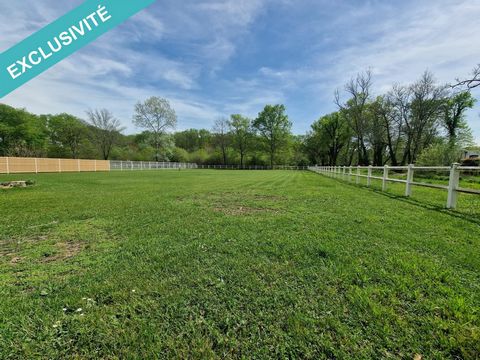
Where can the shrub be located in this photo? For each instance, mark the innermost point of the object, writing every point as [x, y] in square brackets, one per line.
[440, 154]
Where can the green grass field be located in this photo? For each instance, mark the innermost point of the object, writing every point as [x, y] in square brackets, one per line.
[231, 264]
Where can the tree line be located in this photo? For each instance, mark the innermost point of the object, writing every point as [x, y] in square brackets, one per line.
[266, 140]
[423, 122]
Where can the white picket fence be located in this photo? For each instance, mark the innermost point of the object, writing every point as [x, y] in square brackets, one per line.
[354, 173]
[148, 165]
[252, 167]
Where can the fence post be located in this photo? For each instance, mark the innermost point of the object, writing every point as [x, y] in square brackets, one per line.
[385, 178]
[59, 166]
[78, 165]
[131, 165]
[36, 166]
[357, 179]
[8, 166]
[95, 165]
[408, 188]
[453, 184]
[369, 177]
[350, 174]
[344, 173]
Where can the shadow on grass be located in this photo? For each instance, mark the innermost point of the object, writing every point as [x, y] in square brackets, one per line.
[425, 205]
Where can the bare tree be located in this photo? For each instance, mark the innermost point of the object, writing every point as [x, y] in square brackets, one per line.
[156, 116]
[355, 109]
[106, 131]
[472, 82]
[426, 110]
[221, 136]
[377, 133]
[398, 124]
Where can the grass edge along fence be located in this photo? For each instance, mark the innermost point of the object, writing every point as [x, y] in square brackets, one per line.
[346, 173]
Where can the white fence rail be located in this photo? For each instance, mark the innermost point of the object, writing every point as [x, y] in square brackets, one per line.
[252, 167]
[148, 165]
[354, 173]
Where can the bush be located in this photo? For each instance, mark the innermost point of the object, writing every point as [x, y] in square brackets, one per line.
[440, 154]
[180, 155]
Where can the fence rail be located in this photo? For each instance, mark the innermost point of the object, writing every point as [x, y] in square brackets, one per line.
[350, 173]
[16, 165]
[252, 167]
[148, 165]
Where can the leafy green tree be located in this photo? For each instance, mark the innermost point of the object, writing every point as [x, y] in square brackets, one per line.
[193, 139]
[274, 127]
[67, 132]
[329, 136]
[157, 116]
[454, 109]
[21, 133]
[240, 128]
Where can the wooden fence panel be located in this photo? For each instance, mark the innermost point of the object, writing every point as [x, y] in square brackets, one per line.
[87, 165]
[103, 165]
[3, 165]
[45, 165]
[69, 165]
[19, 165]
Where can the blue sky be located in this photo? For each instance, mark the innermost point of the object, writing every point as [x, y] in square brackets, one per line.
[215, 58]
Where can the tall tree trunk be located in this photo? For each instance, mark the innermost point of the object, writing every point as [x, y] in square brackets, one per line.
[391, 150]
[224, 153]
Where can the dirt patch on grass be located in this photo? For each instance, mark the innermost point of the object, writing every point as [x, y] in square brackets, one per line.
[268, 197]
[230, 195]
[15, 260]
[242, 210]
[55, 243]
[66, 250]
[235, 203]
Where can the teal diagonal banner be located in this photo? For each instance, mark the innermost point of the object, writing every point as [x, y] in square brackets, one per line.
[61, 38]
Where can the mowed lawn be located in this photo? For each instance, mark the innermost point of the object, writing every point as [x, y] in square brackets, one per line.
[231, 264]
